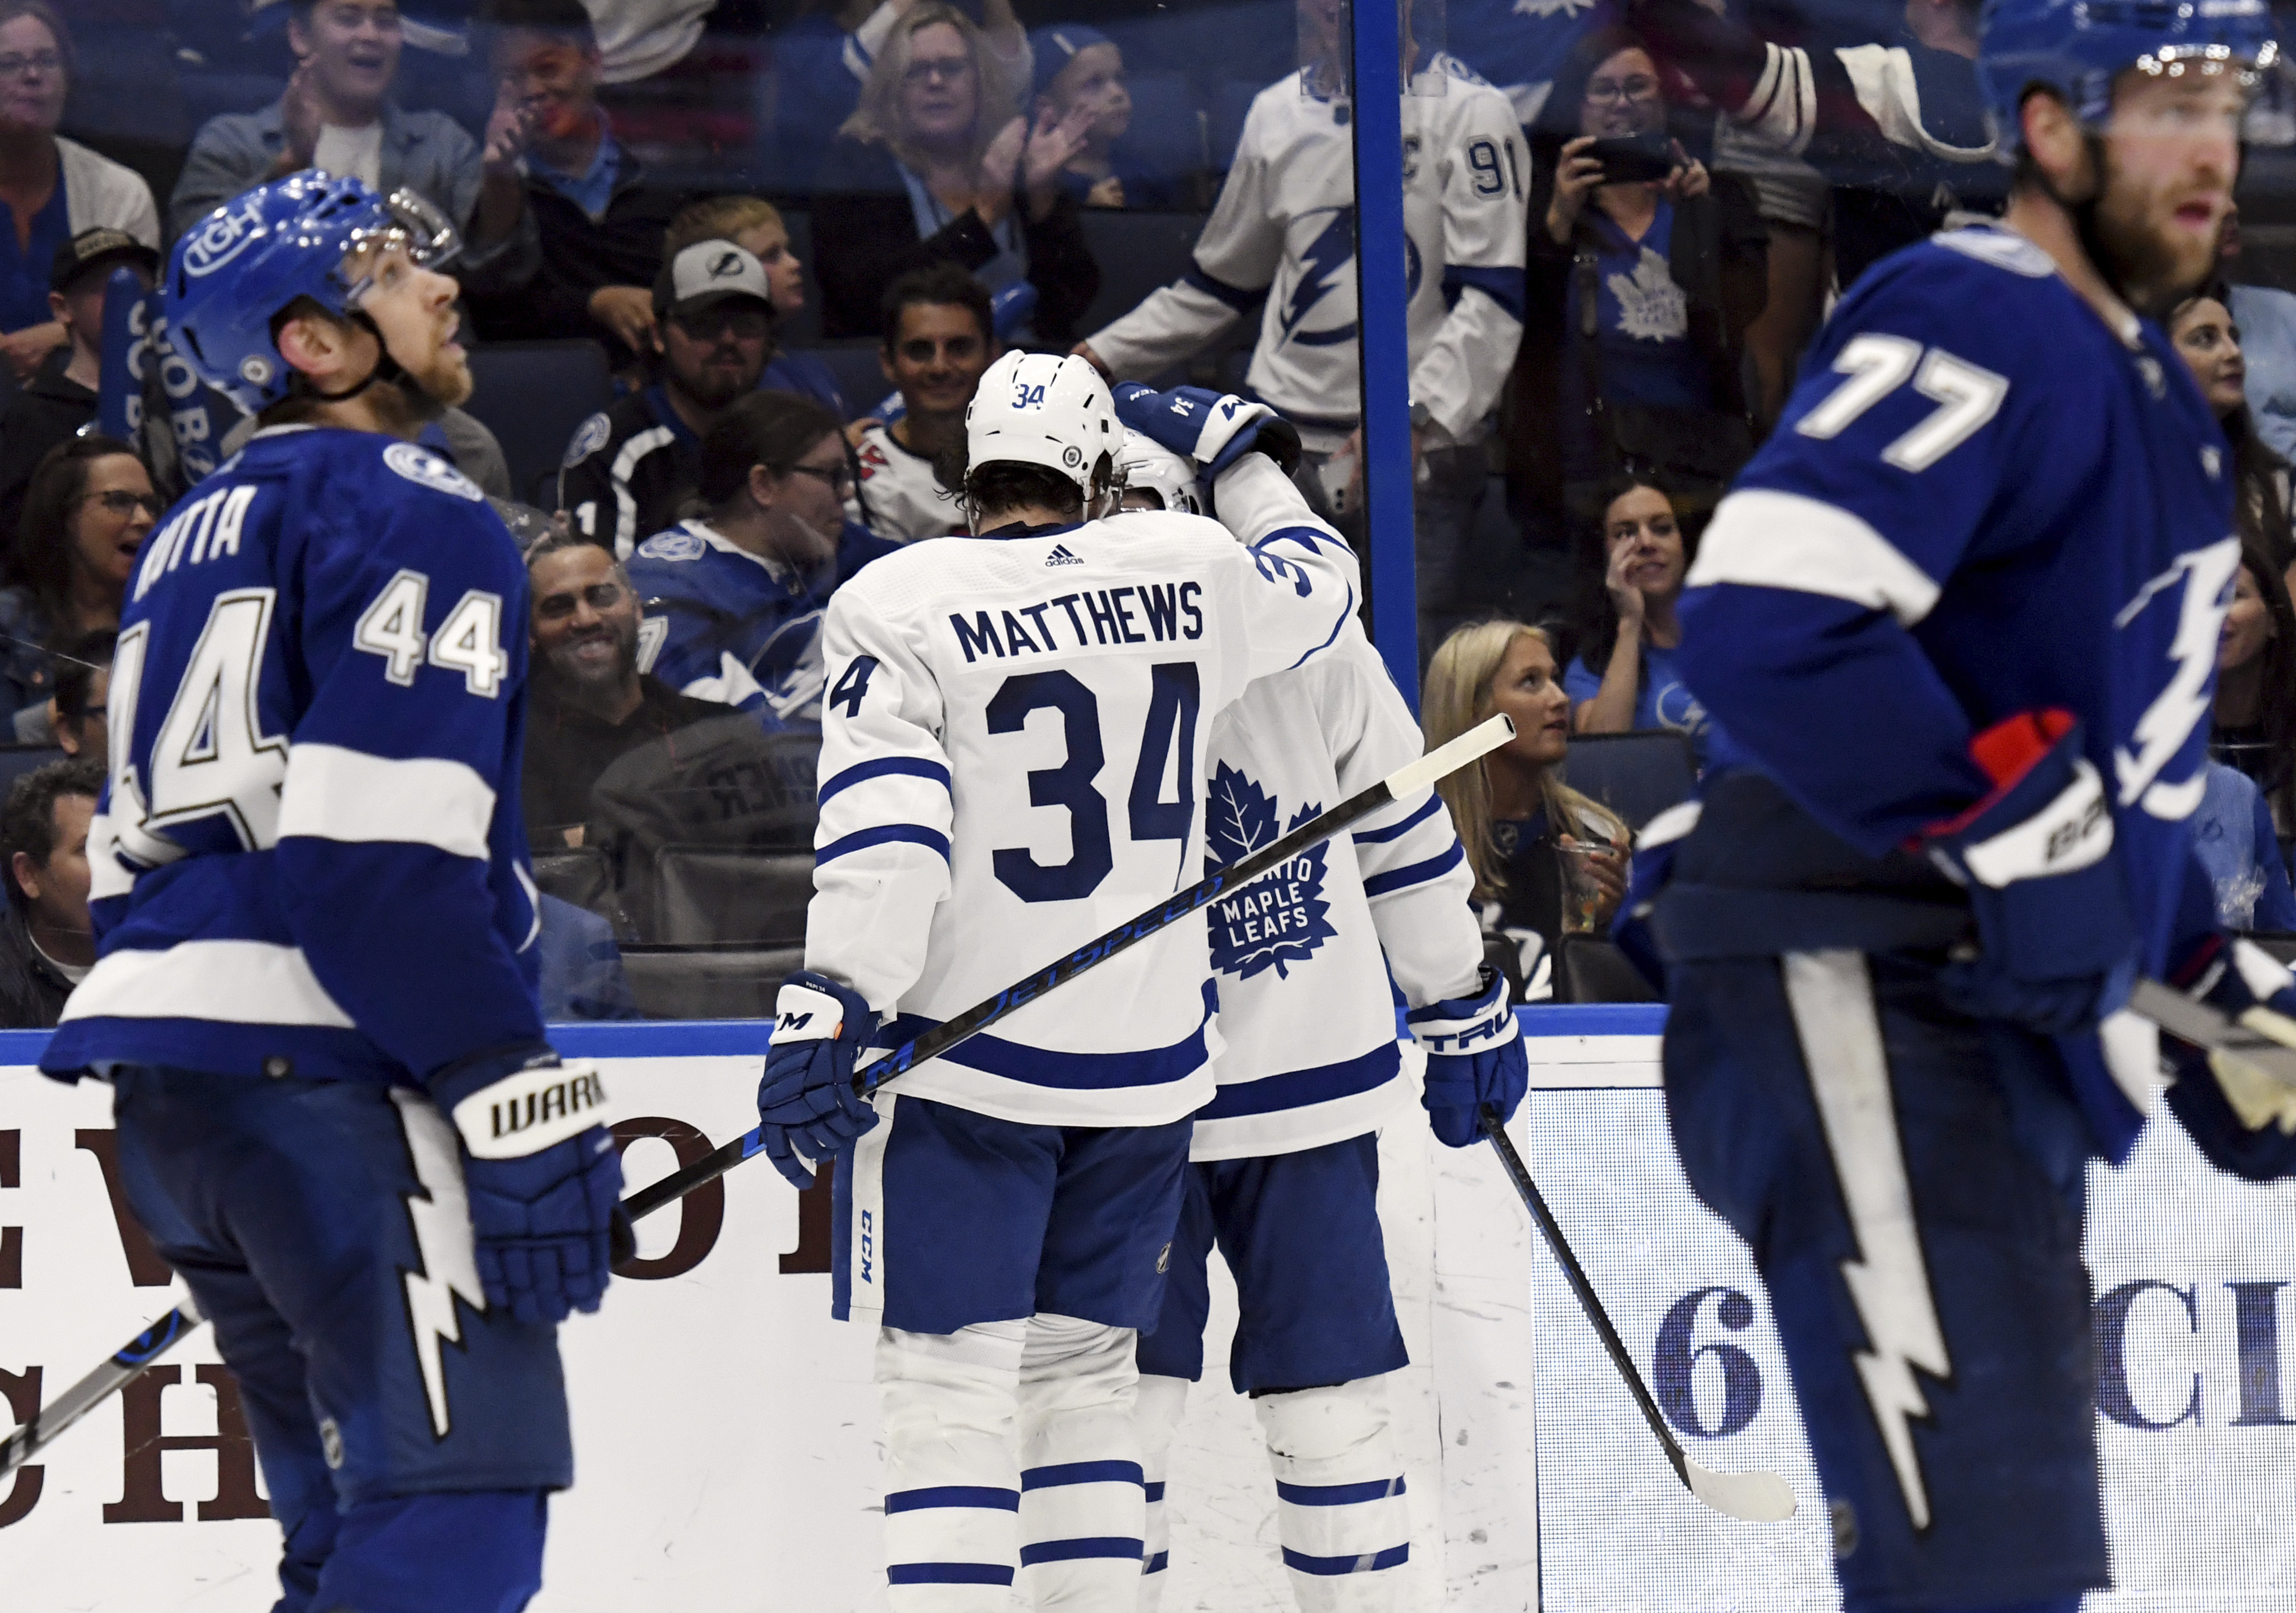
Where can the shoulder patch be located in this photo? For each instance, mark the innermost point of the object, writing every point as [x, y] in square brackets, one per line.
[1999, 248]
[589, 437]
[425, 469]
[672, 544]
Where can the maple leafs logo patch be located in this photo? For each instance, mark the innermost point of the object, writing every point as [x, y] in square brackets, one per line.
[1650, 307]
[1281, 918]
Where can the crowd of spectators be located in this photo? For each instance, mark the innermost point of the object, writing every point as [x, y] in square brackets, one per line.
[796, 233]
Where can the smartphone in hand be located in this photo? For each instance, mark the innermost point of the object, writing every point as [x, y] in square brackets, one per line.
[1627, 158]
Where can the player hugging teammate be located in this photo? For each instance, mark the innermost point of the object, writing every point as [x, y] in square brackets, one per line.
[1962, 612]
[1010, 1209]
[315, 994]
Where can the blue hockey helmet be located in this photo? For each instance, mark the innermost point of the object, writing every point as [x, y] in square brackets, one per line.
[234, 270]
[2078, 48]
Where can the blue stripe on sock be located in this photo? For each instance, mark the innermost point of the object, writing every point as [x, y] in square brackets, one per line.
[1156, 1490]
[1157, 1564]
[1337, 1495]
[949, 1574]
[1070, 1551]
[952, 1496]
[1081, 1472]
[1393, 1556]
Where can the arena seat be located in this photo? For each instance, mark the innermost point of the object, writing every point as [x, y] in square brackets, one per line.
[578, 875]
[1588, 969]
[1636, 775]
[720, 895]
[532, 395]
[708, 982]
[1231, 101]
[860, 376]
[17, 760]
[1137, 252]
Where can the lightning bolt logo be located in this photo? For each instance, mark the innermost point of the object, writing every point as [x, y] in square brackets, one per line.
[1321, 267]
[1830, 997]
[447, 1266]
[2180, 707]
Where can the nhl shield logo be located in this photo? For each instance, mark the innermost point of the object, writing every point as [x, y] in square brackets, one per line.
[1281, 918]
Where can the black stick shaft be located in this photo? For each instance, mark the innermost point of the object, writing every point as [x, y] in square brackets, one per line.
[1576, 1274]
[981, 1016]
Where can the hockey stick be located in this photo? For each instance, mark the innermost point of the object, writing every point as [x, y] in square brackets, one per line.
[161, 1336]
[1749, 1497]
[1439, 763]
[2204, 1025]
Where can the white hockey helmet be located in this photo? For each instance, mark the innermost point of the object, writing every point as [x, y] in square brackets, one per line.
[1146, 466]
[1044, 409]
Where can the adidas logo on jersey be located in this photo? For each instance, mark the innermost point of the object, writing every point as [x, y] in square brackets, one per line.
[1060, 556]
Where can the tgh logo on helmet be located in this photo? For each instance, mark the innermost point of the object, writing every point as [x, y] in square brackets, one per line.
[222, 238]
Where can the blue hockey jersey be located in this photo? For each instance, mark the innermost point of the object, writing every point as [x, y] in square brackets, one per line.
[309, 858]
[723, 624]
[1981, 501]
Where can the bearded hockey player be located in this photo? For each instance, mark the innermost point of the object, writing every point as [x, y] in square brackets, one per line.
[1285, 1159]
[1013, 749]
[1961, 611]
[315, 999]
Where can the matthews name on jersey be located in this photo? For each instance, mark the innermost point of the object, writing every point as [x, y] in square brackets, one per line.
[898, 497]
[743, 629]
[1311, 1055]
[977, 818]
[1284, 227]
[309, 859]
[1947, 536]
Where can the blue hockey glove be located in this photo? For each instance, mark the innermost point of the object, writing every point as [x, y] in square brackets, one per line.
[805, 1104]
[1213, 430]
[2239, 1108]
[1474, 1057]
[2056, 946]
[542, 1178]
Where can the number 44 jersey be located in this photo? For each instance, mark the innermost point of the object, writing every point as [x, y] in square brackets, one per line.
[308, 859]
[1012, 762]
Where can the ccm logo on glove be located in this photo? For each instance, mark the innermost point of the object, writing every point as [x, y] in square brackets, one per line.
[806, 1015]
[531, 1111]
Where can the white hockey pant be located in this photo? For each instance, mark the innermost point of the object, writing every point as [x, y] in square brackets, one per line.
[1341, 1516]
[1011, 1444]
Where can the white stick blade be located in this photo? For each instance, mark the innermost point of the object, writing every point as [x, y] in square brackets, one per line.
[1444, 760]
[1749, 1497]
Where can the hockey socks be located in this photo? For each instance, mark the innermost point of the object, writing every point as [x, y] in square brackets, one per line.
[1009, 1448]
[1341, 1516]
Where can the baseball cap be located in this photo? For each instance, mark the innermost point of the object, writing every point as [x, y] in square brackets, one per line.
[1055, 47]
[94, 248]
[708, 272]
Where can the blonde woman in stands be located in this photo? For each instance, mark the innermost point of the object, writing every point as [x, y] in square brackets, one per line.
[1546, 859]
[51, 188]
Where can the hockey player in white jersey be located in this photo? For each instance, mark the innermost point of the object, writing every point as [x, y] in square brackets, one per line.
[1285, 228]
[1013, 751]
[1285, 1171]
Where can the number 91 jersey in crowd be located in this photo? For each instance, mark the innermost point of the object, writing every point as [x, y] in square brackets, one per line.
[1012, 762]
[309, 860]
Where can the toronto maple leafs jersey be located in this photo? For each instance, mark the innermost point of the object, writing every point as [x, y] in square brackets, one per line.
[1012, 762]
[1284, 227]
[1305, 1012]
[742, 629]
[1979, 502]
[309, 858]
[898, 497]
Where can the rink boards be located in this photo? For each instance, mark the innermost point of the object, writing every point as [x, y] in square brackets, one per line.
[725, 1427]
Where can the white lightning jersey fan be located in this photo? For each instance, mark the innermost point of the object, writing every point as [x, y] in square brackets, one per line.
[1284, 224]
[1311, 1055]
[898, 497]
[1012, 762]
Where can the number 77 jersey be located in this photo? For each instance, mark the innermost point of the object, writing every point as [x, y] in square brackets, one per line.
[308, 859]
[1012, 762]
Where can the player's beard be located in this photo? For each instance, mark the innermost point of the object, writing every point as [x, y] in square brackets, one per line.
[2151, 267]
[415, 398]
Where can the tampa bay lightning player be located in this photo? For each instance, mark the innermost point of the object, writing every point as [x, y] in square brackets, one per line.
[1961, 611]
[315, 999]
